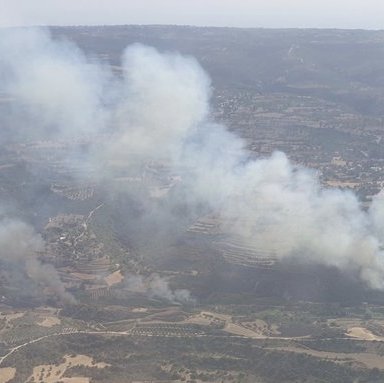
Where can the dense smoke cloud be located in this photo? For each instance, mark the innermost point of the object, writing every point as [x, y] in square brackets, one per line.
[286, 212]
[19, 249]
[159, 111]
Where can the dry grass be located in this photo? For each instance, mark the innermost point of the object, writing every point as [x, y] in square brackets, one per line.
[209, 318]
[368, 360]
[261, 327]
[139, 310]
[342, 184]
[50, 373]
[11, 317]
[114, 278]
[50, 322]
[84, 276]
[7, 374]
[236, 329]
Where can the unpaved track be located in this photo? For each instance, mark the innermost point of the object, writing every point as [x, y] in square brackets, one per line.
[14, 349]
[129, 333]
[86, 222]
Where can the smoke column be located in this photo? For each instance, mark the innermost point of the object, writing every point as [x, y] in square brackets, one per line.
[159, 110]
[156, 287]
[19, 247]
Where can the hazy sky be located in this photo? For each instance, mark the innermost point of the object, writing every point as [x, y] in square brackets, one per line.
[367, 14]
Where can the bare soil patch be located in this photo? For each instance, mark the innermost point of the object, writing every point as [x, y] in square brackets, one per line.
[50, 322]
[361, 333]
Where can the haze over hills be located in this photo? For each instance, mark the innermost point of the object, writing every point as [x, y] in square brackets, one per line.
[135, 216]
[338, 65]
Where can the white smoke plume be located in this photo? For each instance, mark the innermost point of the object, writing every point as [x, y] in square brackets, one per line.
[160, 111]
[156, 287]
[57, 90]
[164, 97]
[18, 241]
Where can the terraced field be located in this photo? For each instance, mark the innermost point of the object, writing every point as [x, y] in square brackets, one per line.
[245, 252]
